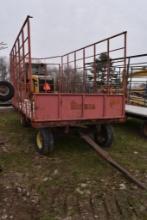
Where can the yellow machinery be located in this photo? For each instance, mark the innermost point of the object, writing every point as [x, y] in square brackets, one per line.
[41, 80]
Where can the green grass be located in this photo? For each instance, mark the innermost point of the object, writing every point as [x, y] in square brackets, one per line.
[71, 153]
[74, 161]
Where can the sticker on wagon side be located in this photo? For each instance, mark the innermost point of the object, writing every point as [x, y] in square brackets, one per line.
[78, 106]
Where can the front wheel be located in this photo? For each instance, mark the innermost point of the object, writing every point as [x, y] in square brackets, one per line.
[44, 141]
[104, 135]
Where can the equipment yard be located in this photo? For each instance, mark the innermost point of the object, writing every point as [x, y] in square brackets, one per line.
[72, 182]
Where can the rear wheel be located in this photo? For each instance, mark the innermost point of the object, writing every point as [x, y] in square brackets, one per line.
[24, 121]
[104, 135]
[44, 141]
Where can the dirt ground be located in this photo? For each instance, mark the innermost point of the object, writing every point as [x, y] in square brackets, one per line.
[72, 183]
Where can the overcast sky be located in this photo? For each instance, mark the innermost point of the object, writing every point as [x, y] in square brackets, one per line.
[59, 26]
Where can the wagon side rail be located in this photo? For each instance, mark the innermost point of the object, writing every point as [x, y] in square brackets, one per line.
[19, 55]
[93, 68]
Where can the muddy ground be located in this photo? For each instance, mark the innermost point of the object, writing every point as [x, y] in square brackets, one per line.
[72, 183]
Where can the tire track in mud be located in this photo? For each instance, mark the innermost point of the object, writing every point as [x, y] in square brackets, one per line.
[111, 206]
[64, 204]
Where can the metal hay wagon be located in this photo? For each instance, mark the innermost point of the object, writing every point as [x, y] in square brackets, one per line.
[78, 89]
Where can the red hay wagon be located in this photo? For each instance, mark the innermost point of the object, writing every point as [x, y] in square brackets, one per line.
[78, 89]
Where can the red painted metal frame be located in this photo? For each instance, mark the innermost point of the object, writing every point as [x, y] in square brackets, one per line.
[65, 106]
[20, 54]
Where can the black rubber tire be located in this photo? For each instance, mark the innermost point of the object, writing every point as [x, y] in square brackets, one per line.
[10, 93]
[24, 121]
[144, 129]
[47, 141]
[104, 135]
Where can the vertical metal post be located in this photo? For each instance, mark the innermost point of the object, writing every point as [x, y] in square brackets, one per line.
[130, 92]
[62, 75]
[108, 66]
[60, 89]
[129, 80]
[75, 71]
[125, 55]
[84, 73]
[59, 79]
[19, 69]
[75, 64]
[23, 60]
[95, 68]
[68, 74]
[29, 53]
[16, 73]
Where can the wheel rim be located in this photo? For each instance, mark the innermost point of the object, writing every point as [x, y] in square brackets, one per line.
[101, 135]
[101, 139]
[39, 141]
[4, 90]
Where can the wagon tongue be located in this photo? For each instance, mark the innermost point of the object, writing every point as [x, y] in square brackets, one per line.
[104, 155]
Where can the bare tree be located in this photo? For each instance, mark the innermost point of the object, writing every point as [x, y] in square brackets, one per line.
[70, 79]
[4, 69]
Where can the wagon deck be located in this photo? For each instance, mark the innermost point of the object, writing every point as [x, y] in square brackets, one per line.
[59, 109]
